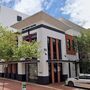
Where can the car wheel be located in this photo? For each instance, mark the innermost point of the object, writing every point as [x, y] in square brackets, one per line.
[70, 83]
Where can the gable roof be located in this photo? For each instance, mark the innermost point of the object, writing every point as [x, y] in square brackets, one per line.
[41, 16]
[71, 24]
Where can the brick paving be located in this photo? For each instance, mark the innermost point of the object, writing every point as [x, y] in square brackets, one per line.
[16, 85]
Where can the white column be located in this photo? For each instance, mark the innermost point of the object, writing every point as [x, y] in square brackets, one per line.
[1, 69]
[65, 67]
[21, 68]
[42, 65]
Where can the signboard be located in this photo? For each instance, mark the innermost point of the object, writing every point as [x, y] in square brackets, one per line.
[23, 85]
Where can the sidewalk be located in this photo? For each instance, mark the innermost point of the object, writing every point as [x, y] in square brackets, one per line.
[16, 85]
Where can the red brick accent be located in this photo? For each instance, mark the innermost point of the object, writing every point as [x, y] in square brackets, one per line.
[71, 51]
[52, 66]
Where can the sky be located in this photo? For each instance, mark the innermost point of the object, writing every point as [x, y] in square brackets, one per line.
[77, 11]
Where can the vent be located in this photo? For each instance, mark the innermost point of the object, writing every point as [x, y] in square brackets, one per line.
[19, 18]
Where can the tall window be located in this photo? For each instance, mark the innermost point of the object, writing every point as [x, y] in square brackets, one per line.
[48, 42]
[73, 44]
[68, 44]
[54, 46]
[59, 47]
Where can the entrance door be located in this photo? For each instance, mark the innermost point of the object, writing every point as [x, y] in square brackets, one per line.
[31, 72]
[54, 54]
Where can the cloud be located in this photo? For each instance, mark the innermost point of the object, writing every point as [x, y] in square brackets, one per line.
[79, 11]
[29, 6]
[47, 4]
[33, 6]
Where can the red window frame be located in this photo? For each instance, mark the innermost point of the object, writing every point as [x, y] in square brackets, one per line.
[70, 47]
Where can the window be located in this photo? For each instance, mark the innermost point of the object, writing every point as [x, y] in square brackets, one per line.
[49, 54]
[73, 44]
[34, 37]
[30, 37]
[19, 18]
[68, 44]
[59, 47]
[54, 48]
[33, 72]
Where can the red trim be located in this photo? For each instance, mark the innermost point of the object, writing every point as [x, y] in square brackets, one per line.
[58, 65]
[52, 66]
[71, 51]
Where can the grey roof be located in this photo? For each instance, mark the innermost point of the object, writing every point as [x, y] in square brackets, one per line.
[71, 24]
[41, 16]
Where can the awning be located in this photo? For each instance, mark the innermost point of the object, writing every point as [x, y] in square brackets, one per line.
[62, 61]
[32, 61]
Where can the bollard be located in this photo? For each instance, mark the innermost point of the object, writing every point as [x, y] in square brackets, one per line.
[23, 85]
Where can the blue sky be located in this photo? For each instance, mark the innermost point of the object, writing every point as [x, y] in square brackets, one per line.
[77, 11]
[53, 9]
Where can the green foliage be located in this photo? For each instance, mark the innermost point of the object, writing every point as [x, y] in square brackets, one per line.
[7, 43]
[28, 50]
[84, 42]
[84, 50]
[85, 67]
[10, 51]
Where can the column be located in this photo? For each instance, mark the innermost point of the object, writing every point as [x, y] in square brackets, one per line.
[58, 65]
[21, 72]
[52, 65]
[1, 70]
[43, 74]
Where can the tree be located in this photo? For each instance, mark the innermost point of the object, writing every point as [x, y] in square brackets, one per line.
[84, 51]
[10, 51]
[84, 43]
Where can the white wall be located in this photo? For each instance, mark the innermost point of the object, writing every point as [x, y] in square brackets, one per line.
[72, 57]
[73, 32]
[8, 16]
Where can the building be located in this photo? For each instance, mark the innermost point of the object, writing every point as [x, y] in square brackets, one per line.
[9, 16]
[59, 58]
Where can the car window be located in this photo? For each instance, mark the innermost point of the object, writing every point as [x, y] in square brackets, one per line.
[84, 77]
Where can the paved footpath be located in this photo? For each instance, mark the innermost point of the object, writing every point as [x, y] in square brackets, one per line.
[16, 85]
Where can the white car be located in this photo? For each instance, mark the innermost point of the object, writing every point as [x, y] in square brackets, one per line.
[82, 81]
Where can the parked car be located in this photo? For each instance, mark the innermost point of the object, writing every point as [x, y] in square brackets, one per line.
[82, 81]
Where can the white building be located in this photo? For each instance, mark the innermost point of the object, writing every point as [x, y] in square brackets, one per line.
[59, 58]
[9, 16]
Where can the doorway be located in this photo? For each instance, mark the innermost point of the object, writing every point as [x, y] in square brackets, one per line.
[31, 72]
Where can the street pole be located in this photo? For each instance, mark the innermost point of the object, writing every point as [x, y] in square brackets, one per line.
[3, 79]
